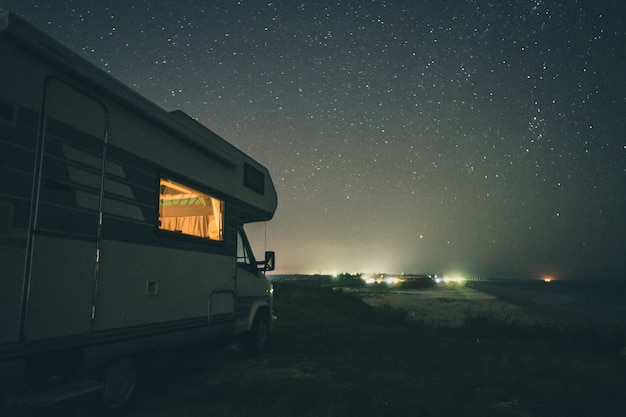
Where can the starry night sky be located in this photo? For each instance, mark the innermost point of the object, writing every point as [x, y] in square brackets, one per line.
[485, 138]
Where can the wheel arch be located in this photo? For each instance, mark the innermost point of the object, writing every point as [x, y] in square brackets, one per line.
[261, 308]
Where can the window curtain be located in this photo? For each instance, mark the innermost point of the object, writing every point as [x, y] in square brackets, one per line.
[209, 225]
[189, 225]
[217, 219]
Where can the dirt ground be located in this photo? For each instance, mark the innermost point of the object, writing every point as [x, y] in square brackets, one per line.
[452, 304]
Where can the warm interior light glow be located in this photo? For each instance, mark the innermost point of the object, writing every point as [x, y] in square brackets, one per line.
[185, 210]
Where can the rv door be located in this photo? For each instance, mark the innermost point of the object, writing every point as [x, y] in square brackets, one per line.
[66, 207]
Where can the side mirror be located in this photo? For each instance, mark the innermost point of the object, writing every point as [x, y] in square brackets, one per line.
[270, 260]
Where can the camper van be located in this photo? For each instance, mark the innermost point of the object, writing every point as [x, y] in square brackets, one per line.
[121, 228]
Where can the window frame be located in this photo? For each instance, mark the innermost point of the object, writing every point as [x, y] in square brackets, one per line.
[248, 261]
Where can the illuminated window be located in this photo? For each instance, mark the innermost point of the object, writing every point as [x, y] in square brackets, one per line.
[190, 212]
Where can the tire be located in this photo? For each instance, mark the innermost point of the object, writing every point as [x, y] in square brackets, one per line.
[119, 381]
[257, 338]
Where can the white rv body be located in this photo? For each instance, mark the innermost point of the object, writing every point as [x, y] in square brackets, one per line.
[121, 225]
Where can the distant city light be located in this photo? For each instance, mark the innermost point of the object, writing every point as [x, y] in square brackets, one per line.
[390, 280]
[457, 279]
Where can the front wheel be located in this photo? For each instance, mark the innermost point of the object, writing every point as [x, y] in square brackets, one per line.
[258, 336]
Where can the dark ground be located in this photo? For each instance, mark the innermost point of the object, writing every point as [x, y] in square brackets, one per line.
[333, 355]
[579, 303]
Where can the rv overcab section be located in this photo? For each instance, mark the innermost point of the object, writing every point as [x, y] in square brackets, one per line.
[121, 226]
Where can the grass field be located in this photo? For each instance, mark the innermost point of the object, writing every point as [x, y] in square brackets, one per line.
[331, 354]
[368, 361]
